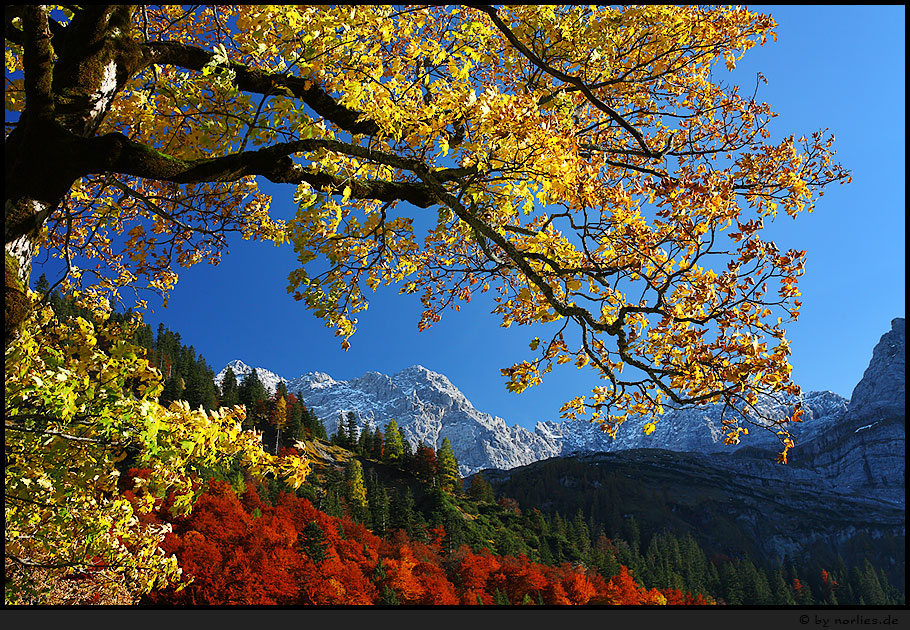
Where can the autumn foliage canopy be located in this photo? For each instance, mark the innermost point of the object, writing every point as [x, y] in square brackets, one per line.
[236, 550]
[586, 166]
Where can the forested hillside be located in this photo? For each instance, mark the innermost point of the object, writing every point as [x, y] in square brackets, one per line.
[379, 522]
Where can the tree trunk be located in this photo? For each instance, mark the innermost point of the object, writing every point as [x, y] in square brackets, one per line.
[71, 77]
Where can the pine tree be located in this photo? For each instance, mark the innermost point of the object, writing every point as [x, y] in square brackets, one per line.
[480, 489]
[694, 565]
[543, 550]
[378, 500]
[401, 513]
[173, 390]
[42, 286]
[869, 585]
[604, 557]
[447, 467]
[252, 392]
[196, 392]
[407, 451]
[313, 542]
[732, 588]
[365, 441]
[633, 534]
[340, 437]
[580, 535]
[356, 489]
[352, 431]
[500, 598]
[756, 589]
[394, 444]
[377, 444]
[311, 422]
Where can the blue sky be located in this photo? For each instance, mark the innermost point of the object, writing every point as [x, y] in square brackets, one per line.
[840, 68]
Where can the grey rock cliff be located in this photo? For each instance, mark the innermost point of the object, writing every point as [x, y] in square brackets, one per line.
[427, 408]
[855, 447]
[864, 452]
[881, 392]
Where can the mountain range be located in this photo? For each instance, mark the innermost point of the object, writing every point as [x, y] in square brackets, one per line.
[854, 446]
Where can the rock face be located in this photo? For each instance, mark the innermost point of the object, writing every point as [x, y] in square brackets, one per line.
[855, 447]
[269, 379]
[428, 409]
[732, 503]
[864, 452]
[699, 430]
[881, 392]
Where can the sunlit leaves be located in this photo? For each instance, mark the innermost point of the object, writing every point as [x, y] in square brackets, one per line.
[80, 400]
[588, 168]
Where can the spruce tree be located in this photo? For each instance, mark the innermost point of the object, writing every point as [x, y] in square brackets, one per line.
[42, 286]
[252, 392]
[407, 451]
[313, 542]
[311, 422]
[340, 437]
[356, 489]
[732, 592]
[500, 598]
[756, 589]
[401, 513]
[447, 467]
[294, 428]
[480, 489]
[352, 431]
[581, 536]
[394, 444]
[378, 500]
[365, 441]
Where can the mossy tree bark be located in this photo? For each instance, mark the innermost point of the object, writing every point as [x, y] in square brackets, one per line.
[73, 72]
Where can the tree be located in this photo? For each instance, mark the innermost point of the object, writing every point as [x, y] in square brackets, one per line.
[424, 463]
[355, 488]
[80, 403]
[353, 431]
[312, 423]
[394, 444]
[447, 467]
[279, 417]
[252, 392]
[583, 163]
[379, 502]
[480, 489]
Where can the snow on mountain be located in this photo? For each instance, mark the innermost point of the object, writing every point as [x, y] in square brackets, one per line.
[269, 379]
[428, 408]
[700, 429]
[852, 446]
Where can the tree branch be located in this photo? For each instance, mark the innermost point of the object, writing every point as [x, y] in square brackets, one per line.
[117, 153]
[562, 76]
[250, 80]
[38, 63]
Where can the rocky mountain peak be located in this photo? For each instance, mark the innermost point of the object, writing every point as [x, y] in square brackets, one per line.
[881, 392]
[428, 408]
[269, 379]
